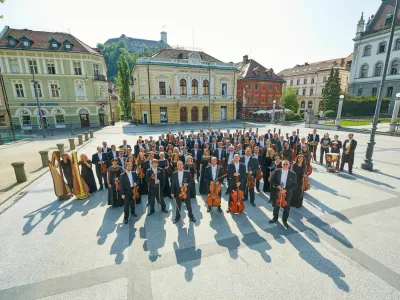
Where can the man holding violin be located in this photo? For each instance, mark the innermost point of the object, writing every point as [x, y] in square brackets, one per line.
[128, 180]
[180, 182]
[155, 179]
[214, 173]
[236, 170]
[251, 165]
[285, 181]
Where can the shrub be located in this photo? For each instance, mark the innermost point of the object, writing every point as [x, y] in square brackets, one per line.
[362, 105]
[297, 117]
[329, 114]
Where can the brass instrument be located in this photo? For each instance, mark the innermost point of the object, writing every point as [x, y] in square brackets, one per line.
[61, 189]
[81, 189]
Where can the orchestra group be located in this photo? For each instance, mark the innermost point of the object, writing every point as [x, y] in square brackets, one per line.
[171, 165]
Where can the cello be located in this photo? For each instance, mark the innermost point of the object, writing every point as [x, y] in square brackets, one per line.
[213, 198]
[237, 205]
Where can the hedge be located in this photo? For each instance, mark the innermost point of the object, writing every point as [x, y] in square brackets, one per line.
[330, 114]
[362, 106]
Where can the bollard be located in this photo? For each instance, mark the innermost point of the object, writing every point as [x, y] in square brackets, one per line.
[91, 133]
[52, 131]
[274, 129]
[279, 132]
[298, 130]
[80, 140]
[45, 158]
[72, 131]
[71, 144]
[61, 148]
[86, 136]
[19, 171]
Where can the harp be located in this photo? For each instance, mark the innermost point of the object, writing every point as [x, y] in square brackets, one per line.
[81, 189]
[61, 189]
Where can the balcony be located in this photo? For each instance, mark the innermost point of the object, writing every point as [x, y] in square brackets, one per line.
[99, 77]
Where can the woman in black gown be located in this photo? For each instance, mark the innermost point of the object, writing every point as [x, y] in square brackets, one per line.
[114, 197]
[66, 166]
[87, 173]
[286, 152]
[269, 160]
[277, 164]
[299, 168]
[190, 167]
[205, 161]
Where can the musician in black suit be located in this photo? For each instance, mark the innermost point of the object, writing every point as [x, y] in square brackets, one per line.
[293, 140]
[128, 180]
[160, 142]
[260, 159]
[236, 170]
[349, 147]
[121, 159]
[280, 143]
[285, 181]
[268, 135]
[314, 137]
[214, 173]
[220, 154]
[156, 186]
[124, 145]
[251, 165]
[181, 178]
[99, 159]
[105, 149]
[196, 153]
[139, 145]
[113, 153]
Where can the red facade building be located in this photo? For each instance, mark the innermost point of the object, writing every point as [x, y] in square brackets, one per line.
[257, 87]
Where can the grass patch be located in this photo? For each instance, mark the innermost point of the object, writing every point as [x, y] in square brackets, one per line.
[360, 122]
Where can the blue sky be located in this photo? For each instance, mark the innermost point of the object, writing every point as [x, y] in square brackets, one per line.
[277, 33]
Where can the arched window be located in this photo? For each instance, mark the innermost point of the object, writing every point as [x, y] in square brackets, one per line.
[378, 69]
[364, 71]
[195, 87]
[205, 87]
[360, 92]
[394, 69]
[303, 104]
[183, 87]
[304, 92]
[310, 104]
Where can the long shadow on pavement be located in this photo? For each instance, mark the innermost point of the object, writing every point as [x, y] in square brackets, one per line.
[363, 178]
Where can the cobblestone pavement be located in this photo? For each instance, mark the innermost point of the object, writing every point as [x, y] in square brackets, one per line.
[342, 244]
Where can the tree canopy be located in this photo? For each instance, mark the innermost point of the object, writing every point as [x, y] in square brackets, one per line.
[331, 93]
[123, 81]
[289, 99]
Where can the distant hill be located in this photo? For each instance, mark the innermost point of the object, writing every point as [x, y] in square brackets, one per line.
[139, 45]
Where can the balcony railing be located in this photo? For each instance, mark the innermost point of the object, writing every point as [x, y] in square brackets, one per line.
[99, 77]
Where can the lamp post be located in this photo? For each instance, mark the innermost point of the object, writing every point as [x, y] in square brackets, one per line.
[209, 94]
[35, 86]
[367, 164]
[339, 111]
[273, 111]
[396, 108]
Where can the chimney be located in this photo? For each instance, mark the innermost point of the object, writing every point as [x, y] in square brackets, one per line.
[245, 58]
[164, 37]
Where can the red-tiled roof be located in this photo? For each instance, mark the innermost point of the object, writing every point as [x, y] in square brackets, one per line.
[254, 70]
[41, 40]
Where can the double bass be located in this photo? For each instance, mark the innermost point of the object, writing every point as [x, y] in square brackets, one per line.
[237, 204]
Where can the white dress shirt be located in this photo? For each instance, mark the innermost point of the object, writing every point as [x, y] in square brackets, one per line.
[155, 172]
[121, 159]
[104, 150]
[284, 178]
[219, 154]
[180, 178]
[130, 178]
[237, 167]
[214, 172]
[231, 154]
[246, 162]
[262, 143]
[100, 156]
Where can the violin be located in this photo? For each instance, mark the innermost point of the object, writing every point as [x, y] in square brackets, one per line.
[140, 172]
[259, 174]
[104, 169]
[117, 184]
[183, 194]
[237, 205]
[135, 191]
[250, 181]
[306, 186]
[281, 199]
[294, 152]
[309, 170]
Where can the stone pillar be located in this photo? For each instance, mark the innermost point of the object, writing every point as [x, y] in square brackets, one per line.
[71, 144]
[61, 148]
[86, 136]
[19, 171]
[91, 133]
[80, 139]
[72, 131]
[339, 112]
[394, 115]
[45, 158]
[52, 131]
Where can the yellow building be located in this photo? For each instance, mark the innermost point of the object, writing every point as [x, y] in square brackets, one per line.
[184, 87]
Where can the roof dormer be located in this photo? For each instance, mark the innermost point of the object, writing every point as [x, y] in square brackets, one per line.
[68, 45]
[26, 42]
[54, 44]
[12, 41]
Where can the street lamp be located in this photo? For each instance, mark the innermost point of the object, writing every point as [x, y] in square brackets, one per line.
[273, 111]
[396, 108]
[35, 86]
[339, 111]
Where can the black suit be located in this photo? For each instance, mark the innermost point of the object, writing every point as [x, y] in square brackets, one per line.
[293, 140]
[312, 148]
[348, 158]
[209, 177]
[198, 159]
[121, 162]
[111, 155]
[105, 150]
[100, 176]
[156, 190]
[126, 190]
[268, 136]
[232, 178]
[253, 166]
[176, 189]
[291, 183]
[137, 148]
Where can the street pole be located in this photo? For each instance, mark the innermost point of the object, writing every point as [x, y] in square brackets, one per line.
[148, 81]
[209, 95]
[273, 111]
[5, 97]
[38, 104]
[367, 164]
[393, 123]
[339, 111]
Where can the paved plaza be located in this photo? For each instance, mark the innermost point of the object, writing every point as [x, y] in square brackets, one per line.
[344, 242]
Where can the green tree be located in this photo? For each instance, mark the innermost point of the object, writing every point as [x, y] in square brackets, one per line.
[123, 81]
[2, 1]
[332, 91]
[147, 52]
[289, 99]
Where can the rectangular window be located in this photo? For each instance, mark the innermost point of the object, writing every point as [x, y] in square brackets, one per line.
[305, 81]
[77, 68]
[324, 79]
[291, 82]
[263, 99]
[33, 66]
[38, 90]
[14, 67]
[397, 45]
[269, 100]
[26, 120]
[277, 88]
[51, 68]
[54, 90]
[297, 92]
[304, 92]
[389, 92]
[19, 90]
[80, 91]
[256, 87]
[382, 47]
[161, 87]
[249, 86]
[255, 100]
[311, 92]
[270, 87]
[323, 90]
[263, 86]
[312, 80]
[163, 115]
[96, 69]
[298, 81]
[360, 92]
[367, 51]
[3, 120]
[374, 91]
[224, 90]
[248, 100]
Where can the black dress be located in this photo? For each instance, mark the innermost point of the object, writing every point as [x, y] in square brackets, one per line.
[287, 154]
[88, 176]
[297, 195]
[67, 171]
[114, 197]
[192, 187]
[163, 164]
[269, 161]
[203, 188]
[273, 190]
